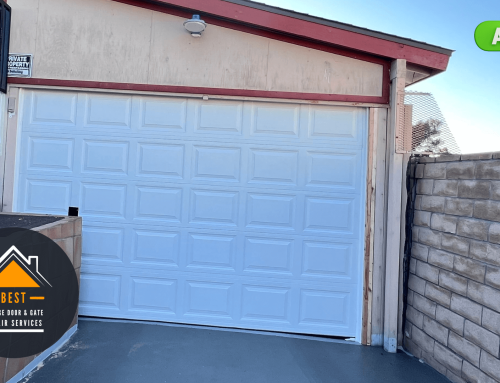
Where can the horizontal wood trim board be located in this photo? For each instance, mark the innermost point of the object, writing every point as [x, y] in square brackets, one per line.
[197, 90]
[259, 19]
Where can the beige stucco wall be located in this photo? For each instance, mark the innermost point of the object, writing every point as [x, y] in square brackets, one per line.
[101, 40]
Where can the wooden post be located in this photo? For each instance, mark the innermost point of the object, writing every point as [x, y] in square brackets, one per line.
[379, 235]
[369, 227]
[395, 175]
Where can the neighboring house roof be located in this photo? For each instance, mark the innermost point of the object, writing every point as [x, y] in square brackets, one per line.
[429, 59]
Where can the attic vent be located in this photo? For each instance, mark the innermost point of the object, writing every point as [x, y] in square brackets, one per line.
[421, 126]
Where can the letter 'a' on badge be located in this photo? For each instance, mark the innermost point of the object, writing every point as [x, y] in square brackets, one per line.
[487, 36]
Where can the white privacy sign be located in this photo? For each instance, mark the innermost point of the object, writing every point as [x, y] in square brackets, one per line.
[20, 65]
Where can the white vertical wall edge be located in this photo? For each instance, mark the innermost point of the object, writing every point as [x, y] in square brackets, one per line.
[9, 159]
[395, 175]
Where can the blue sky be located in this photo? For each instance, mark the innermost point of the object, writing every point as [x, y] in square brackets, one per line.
[468, 93]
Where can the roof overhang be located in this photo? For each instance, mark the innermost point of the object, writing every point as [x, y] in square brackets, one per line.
[426, 59]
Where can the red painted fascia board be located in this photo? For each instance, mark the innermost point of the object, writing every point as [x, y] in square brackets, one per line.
[309, 30]
[196, 90]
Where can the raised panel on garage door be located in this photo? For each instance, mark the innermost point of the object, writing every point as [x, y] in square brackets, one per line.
[225, 213]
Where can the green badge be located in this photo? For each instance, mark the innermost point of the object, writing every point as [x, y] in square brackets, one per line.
[487, 36]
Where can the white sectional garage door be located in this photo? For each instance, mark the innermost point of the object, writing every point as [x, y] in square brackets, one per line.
[226, 213]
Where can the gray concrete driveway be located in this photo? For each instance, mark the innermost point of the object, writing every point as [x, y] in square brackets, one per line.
[135, 352]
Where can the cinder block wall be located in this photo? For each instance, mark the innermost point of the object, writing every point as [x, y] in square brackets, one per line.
[453, 315]
[67, 233]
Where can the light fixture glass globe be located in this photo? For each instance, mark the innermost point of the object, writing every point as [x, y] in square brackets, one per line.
[195, 25]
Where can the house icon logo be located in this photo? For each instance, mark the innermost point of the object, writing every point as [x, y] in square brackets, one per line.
[38, 292]
[17, 271]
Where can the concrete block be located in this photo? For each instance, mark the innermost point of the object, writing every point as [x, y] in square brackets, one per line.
[54, 232]
[77, 251]
[491, 320]
[488, 170]
[485, 252]
[476, 156]
[473, 228]
[424, 305]
[422, 218]
[408, 328]
[426, 160]
[448, 158]
[451, 320]
[495, 190]
[474, 375]
[460, 170]
[435, 330]
[416, 284]
[419, 251]
[78, 226]
[464, 348]
[483, 338]
[454, 378]
[493, 277]
[441, 259]
[438, 294]
[435, 171]
[410, 297]
[413, 265]
[495, 155]
[418, 201]
[494, 235]
[488, 210]
[429, 237]
[459, 206]
[427, 272]
[453, 282]
[412, 348]
[414, 233]
[490, 365]
[419, 171]
[422, 340]
[429, 359]
[474, 189]
[67, 229]
[469, 268]
[425, 186]
[484, 295]
[67, 245]
[448, 358]
[434, 204]
[466, 308]
[415, 317]
[455, 244]
[447, 188]
[444, 223]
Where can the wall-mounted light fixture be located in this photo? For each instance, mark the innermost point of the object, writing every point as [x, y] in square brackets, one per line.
[195, 26]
